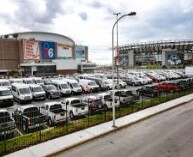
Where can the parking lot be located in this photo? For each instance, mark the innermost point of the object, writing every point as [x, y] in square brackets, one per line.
[132, 81]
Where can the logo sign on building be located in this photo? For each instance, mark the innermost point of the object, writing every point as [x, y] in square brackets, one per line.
[31, 49]
[173, 58]
[64, 51]
[48, 50]
[80, 52]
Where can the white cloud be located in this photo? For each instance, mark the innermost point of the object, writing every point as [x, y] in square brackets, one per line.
[90, 22]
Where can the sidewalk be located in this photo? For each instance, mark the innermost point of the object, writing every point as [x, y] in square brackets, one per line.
[71, 140]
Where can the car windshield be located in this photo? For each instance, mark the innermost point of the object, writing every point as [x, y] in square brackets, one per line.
[64, 86]
[128, 93]
[52, 87]
[47, 81]
[5, 84]
[75, 102]
[97, 101]
[5, 93]
[92, 83]
[78, 105]
[29, 82]
[31, 112]
[18, 81]
[39, 81]
[106, 97]
[75, 85]
[24, 91]
[37, 89]
[55, 107]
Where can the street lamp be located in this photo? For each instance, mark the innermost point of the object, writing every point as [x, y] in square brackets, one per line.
[113, 94]
[117, 14]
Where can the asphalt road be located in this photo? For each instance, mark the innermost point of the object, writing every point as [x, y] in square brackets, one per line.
[169, 134]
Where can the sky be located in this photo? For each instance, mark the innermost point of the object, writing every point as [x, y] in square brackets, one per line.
[90, 22]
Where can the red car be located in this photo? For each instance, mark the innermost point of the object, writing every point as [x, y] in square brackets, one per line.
[167, 87]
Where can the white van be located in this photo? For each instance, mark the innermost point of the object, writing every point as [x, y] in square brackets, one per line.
[21, 93]
[16, 80]
[28, 81]
[5, 83]
[89, 85]
[62, 86]
[74, 86]
[37, 92]
[38, 80]
[6, 97]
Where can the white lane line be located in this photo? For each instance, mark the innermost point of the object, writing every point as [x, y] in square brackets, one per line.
[19, 132]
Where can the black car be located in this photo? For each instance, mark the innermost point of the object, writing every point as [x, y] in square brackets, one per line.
[47, 81]
[51, 91]
[149, 91]
[99, 82]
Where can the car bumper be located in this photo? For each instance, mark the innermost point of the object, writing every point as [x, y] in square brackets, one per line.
[37, 125]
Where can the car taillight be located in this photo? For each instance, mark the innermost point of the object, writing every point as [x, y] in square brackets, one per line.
[29, 121]
[93, 105]
[54, 117]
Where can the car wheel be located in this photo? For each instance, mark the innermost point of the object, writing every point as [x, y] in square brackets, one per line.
[133, 84]
[24, 127]
[50, 122]
[105, 106]
[19, 101]
[49, 96]
[71, 115]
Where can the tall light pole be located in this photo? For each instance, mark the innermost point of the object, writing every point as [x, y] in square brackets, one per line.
[117, 14]
[113, 94]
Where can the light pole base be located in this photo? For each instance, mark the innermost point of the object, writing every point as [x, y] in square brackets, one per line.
[114, 126]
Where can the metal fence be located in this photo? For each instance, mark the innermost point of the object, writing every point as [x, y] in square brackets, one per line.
[25, 135]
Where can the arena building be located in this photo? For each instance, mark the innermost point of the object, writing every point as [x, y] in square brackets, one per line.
[42, 53]
[161, 52]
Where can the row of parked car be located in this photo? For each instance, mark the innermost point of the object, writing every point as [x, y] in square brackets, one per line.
[166, 86]
[27, 117]
[28, 89]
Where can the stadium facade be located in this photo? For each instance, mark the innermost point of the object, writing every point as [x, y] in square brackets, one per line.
[161, 52]
[41, 53]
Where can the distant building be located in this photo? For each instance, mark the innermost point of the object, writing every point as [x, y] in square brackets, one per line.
[160, 52]
[42, 53]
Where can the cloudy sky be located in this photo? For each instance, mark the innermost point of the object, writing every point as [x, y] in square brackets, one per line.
[89, 22]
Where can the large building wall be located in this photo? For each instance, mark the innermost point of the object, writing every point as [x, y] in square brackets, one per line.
[9, 54]
[51, 37]
[28, 49]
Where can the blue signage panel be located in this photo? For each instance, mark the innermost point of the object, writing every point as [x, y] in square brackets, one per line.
[80, 52]
[48, 50]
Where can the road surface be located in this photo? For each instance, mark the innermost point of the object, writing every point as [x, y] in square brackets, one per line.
[169, 134]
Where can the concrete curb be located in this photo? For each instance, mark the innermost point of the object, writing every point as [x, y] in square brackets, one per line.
[117, 128]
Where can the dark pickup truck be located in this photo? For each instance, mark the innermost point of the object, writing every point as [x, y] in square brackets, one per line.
[29, 117]
[149, 91]
[7, 124]
[135, 97]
